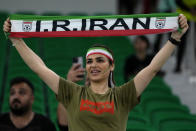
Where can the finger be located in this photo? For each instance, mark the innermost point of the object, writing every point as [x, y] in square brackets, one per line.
[183, 18]
[73, 67]
[80, 73]
[182, 21]
[8, 19]
[183, 24]
[181, 15]
[80, 70]
[6, 24]
[6, 29]
[76, 66]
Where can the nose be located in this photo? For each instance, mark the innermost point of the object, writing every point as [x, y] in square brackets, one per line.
[94, 64]
[14, 96]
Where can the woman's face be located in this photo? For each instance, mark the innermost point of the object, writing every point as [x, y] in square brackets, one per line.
[98, 67]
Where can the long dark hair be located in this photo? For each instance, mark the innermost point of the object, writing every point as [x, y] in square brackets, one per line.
[111, 82]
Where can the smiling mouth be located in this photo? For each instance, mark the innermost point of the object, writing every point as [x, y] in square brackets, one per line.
[95, 72]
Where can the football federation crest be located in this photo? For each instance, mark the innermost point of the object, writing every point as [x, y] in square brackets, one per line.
[26, 26]
[160, 22]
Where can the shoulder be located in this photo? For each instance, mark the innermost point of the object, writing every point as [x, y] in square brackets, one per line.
[43, 119]
[40, 117]
[44, 122]
[68, 86]
[66, 83]
[130, 84]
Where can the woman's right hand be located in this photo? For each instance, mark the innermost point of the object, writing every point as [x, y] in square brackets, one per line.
[7, 28]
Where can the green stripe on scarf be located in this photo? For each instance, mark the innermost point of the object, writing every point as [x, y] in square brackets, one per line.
[36, 17]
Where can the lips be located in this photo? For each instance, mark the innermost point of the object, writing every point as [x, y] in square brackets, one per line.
[95, 72]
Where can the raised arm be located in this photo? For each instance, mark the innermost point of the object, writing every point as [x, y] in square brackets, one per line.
[143, 78]
[33, 61]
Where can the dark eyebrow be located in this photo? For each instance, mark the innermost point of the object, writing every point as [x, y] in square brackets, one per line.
[89, 59]
[22, 89]
[99, 58]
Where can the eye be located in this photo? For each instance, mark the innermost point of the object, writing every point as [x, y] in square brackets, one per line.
[100, 60]
[22, 92]
[12, 92]
[89, 61]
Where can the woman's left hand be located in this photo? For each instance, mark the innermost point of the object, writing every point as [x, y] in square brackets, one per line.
[183, 25]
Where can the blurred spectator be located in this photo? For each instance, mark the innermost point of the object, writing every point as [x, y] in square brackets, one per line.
[127, 6]
[136, 6]
[188, 8]
[21, 117]
[140, 59]
[149, 6]
[74, 75]
[164, 6]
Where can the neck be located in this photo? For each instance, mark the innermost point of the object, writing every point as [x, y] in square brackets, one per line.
[141, 55]
[22, 121]
[99, 87]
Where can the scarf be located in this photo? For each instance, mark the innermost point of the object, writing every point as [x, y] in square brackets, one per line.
[25, 26]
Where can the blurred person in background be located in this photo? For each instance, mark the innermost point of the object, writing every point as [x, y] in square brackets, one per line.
[98, 106]
[149, 6]
[73, 75]
[188, 8]
[140, 59]
[21, 117]
[128, 7]
[163, 6]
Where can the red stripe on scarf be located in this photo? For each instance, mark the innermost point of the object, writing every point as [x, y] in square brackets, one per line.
[94, 33]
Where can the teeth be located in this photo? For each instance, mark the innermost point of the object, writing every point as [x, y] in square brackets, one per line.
[95, 71]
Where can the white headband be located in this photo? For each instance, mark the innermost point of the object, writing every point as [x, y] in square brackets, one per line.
[98, 50]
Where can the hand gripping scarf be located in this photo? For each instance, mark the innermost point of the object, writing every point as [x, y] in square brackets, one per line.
[25, 26]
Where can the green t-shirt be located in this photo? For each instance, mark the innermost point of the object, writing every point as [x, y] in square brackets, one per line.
[88, 111]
